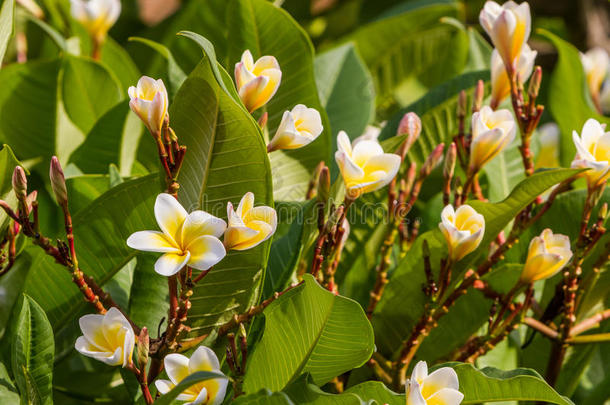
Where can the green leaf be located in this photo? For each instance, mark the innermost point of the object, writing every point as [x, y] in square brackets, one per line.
[346, 90]
[498, 215]
[8, 392]
[264, 397]
[199, 376]
[118, 61]
[320, 333]
[84, 189]
[493, 385]
[88, 91]
[437, 110]
[226, 158]
[101, 230]
[6, 25]
[175, 74]
[412, 43]
[113, 139]
[264, 29]
[32, 353]
[11, 286]
[375, 390]
[568, 99]
[303, 392]
[149, 297]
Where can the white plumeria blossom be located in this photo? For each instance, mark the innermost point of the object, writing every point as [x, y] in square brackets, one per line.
[186, 239]
[546, 256]
[108, 338]
[97, 16]
[364, 165]
[500, 83]
[593, 152]
[149, 101]
[463, 229]
[441, 387]
[249, 226]
[509, 26]
[595, 63]
[492, 131]
[299, 127]
[178, 367]
[257, 82]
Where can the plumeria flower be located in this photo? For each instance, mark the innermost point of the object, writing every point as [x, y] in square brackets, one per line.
[463, 230]
[108, 338]
[178, 367]
[257, 82]
[492, 131]
[500, 83]
[547, 255]
[593, 152]
[596, 64]
[548, 137]
[363, 164]
[149, 101]
[441, 387]
[249, 225]
[185, 240]
[509, 26]
[97, 16]
[298, 128]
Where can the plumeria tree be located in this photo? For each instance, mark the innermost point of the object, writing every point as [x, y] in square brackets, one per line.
[300, 203]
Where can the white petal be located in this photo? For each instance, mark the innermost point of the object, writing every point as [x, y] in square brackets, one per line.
[171, 263]
[420, 371]
[444, 377]
[201, 398]
[205, 252]
[446, 396]
[203, 359]
[151, 241]
[222, 391]
[164, 386]
[170, 215]
[199, 223]
[176, 367]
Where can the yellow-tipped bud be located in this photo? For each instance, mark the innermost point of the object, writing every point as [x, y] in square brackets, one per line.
[492, 131]
[148, 99]
[463, 230]
[547, 254]
[257, 82]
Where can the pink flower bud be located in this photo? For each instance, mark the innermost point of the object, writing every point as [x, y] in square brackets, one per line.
[58, 182]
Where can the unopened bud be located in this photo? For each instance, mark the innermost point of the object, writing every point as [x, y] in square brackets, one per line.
[535, 81]
[433, 160]
[58, 182]
[410, 176]
[410, 125]
[242, 331]
[143, 347]
[479, 94]
[450, 159]
[20, 182]
[461, 106]
[324, 184]
[333, 220]
[262, 121]
[603, 212]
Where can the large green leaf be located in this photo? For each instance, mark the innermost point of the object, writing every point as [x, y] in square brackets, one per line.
[568, 99]
[88, 90]
[375, 390]
[197, 377]
[304, 392]
[493, 385]
[320, 333]
[8, 391]
[413, 43]
[11, 286]
[226, 158]
[264, 29]
[101, 230]
[264, 397]
[32, 353]
[113, 139]
[149, 297]
[6, 25]
[346, 90]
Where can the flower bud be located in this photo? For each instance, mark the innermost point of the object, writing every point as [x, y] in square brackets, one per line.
[450, 159]
[148, 99]
[20, 182]
[298, 128]
[143, 347]
[509, 27]
[324, 184]
[547, 255]
[409, 125]
[58, 182]
[534, 87]
[461, 104]
[492, 131]
[257, 82]
[479, 94]
[433, 160]
[463, 230]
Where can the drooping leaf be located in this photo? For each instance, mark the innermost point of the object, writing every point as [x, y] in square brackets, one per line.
[33, 352]
[226, 158]
[320, 333]
[264, 29]
[568, 99]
